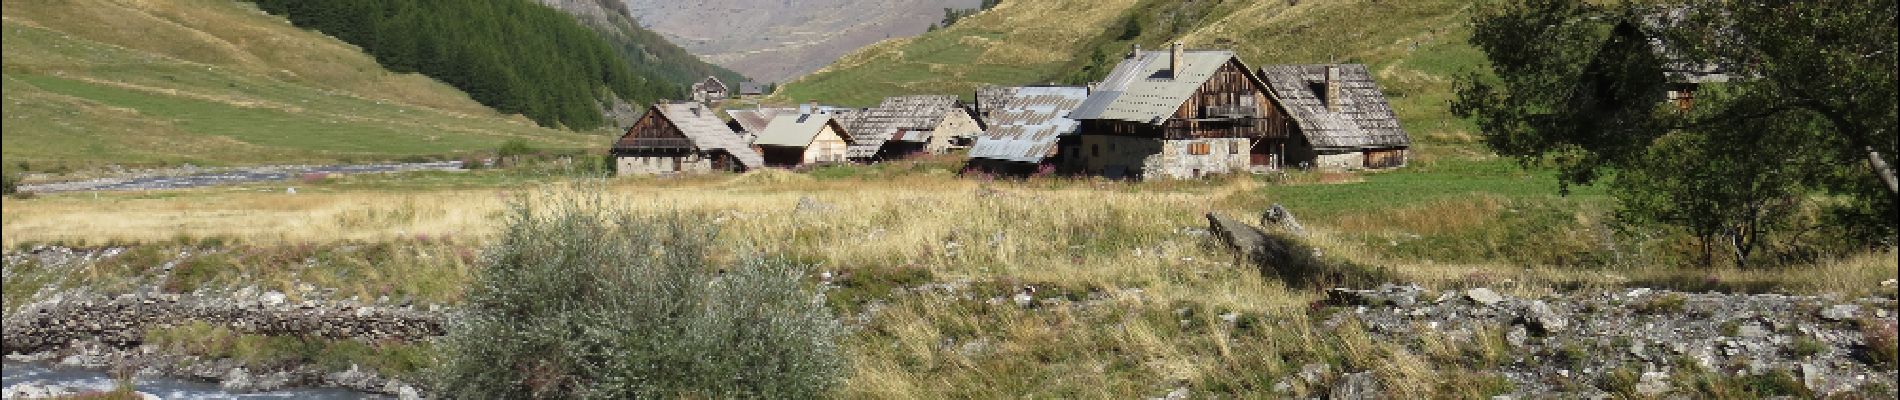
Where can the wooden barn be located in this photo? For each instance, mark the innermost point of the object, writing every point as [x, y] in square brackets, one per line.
[1341, 119]
[710, 90]
[906, 125]
[792, 140]
[681, 138]
[1177, 114]
[1026, 129]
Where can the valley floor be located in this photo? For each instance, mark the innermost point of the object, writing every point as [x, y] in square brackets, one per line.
[965, 287]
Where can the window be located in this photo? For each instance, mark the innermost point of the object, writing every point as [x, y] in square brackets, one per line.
[1233, 148]
[1199, 148]
[1097, 149]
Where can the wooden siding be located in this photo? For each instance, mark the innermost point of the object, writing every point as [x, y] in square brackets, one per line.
[1231, 104]
[654, 131]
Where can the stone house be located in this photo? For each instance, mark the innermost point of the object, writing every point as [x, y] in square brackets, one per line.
[1027, 125]
[1341, 120]
[792, 140]
[1176, 114]
[681, 138]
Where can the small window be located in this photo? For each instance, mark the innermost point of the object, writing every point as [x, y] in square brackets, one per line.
[1233, 148]
[1199, 149]
[1096, 148]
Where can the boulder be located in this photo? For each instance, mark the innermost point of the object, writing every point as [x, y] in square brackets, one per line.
[1541, 318]
[1280, 256]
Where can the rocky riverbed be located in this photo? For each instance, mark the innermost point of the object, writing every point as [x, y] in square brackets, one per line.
[1652, 342]
[190, 177]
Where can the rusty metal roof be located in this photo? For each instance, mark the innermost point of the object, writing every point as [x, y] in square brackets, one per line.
[1029, 122]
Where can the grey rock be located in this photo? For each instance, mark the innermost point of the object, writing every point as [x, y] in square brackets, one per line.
[1279, 217]
[1541, 318]
[238, 380]
[1358, 386]
[806, 204]
[1484, 296]
[1840, 312]
[1653, 383]
[1517, 337]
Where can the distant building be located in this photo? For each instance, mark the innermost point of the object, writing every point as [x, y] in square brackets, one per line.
[681, 138]
[750, 88]
[1026, 129]
[1341, 119]
[710, 90]
[792, 140]
[906, 125]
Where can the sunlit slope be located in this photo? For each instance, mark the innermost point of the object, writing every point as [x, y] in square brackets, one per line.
[94, 82]
[1416, 47]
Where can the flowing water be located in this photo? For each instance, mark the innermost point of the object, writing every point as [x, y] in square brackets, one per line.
[78, 379]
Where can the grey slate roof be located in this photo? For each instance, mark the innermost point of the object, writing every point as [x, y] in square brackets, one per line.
[1144, 88]
[708, 132]
[870, 128]
[750, 88]
[755, 120]
[793, 130]
[1028, 123]
[1364, 119]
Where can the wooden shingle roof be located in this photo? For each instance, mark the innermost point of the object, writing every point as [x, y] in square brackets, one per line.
[1364, 118]
[707, 132]
[870, 128]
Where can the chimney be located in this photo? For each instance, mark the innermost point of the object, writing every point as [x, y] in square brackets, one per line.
[1175, 63]
[1132, 54]
[809, 107]
[1332, 88]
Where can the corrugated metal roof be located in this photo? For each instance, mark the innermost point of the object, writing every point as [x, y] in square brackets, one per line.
[1364, 119]
[793, 130]
[708, 132]
[1029, 123]
[1145, 88]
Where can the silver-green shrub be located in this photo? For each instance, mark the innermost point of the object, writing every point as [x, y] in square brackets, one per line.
[581, 299]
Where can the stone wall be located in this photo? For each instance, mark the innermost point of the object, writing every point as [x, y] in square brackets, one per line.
[123, 319]
[1161, 159]
[670, 164]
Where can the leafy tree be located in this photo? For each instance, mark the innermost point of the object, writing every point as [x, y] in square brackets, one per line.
[1584, 86]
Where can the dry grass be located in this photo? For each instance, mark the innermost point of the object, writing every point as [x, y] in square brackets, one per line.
[1144, 302]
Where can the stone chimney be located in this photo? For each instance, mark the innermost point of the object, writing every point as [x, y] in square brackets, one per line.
[1332, 88]
[1176, 61]
[1132, 54]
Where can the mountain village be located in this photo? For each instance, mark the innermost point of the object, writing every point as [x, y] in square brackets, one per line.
[1177, 113]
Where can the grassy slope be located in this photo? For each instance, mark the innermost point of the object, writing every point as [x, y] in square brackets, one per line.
[218, 82]
[1414, 46]
[1015, 43]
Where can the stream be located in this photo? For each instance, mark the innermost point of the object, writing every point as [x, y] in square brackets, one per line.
[81, 380]
[224, 176]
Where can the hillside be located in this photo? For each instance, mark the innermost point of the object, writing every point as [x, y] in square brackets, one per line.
[1415, 47]
[773, 41]
[647, 51]
[212, 82]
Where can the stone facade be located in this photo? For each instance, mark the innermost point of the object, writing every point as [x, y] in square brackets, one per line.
[1350, 160]
[1147, 158]
[956, 131]
[662, 164]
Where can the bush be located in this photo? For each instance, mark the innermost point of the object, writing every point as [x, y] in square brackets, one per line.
[9, 183]
[583, 300]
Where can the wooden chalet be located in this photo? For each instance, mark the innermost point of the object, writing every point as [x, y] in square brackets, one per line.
[792, 140]
[904, 125]
[1341, 119]
[710, 90]
[676, 138]
[1177, 114]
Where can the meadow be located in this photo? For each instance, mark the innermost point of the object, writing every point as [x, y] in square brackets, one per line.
[924, 262]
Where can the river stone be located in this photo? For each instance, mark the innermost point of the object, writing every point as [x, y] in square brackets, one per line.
[1541, 318]
[238, 380]
[1359, 386]
[1840, 312]
[1484, 296]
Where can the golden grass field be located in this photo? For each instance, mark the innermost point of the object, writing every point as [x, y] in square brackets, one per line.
[1125, 249]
